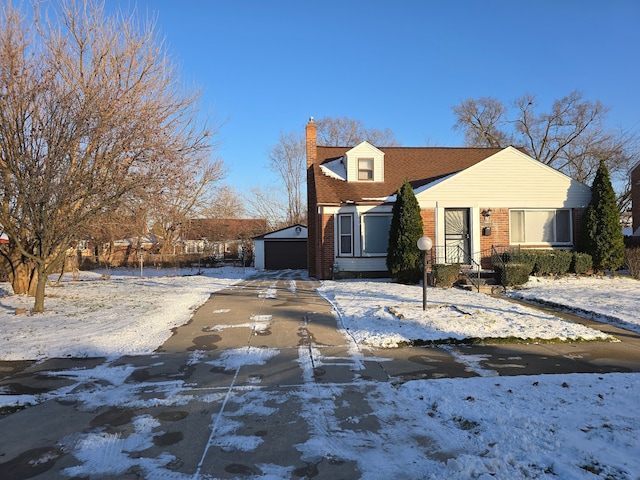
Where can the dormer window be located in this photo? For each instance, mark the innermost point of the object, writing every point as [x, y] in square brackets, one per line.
[364, 163]
[365, 169]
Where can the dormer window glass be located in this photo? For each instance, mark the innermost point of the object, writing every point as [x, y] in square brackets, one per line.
[365, 169]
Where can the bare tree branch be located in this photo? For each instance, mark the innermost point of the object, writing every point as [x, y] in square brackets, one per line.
[571, 137]
[92, 113]
[347, 132]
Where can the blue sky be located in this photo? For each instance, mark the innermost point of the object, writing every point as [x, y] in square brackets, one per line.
[266, 66]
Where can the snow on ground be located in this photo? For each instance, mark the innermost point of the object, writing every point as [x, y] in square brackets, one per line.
[383, 314]
[607, 299]
[129, 314]
[547, 426]
[99, 316]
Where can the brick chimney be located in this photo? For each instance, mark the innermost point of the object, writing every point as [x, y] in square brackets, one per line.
[312, 147]
[635, 199]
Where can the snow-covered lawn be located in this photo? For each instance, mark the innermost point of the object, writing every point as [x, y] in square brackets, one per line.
[383, 314]
[122, 315]
[546, 426]
[126, 314]
[608, 299]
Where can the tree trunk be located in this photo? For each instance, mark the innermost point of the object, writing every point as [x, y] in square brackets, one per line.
[22, 275]
[38, 307]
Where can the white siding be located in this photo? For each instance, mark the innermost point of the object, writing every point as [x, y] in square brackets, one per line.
[258, 252]
[364, 150]
[288, 233]
[508, 179]
[357, 213]
[362, 264]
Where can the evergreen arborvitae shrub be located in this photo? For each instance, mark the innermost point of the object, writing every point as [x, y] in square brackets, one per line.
[404, 259]
[601, 235]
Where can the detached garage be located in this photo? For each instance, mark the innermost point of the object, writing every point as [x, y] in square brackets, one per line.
[282, 249]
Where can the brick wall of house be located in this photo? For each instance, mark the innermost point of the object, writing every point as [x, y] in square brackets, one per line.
[429, 226]
[635, 197]
[327, 232]
[499, 224]
[429, 223]
[320, 251]
[312, 230]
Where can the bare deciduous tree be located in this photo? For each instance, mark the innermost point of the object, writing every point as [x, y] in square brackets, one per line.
[184, 193]
[347, 132]
[288, 159]
[484, 122]
[572, 137]
[91, 113]
[226, 202]
[267, 203]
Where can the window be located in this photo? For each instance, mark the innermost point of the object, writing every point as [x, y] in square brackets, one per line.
[365, 169]
[375, 236]
[540, 226]
[345, 235]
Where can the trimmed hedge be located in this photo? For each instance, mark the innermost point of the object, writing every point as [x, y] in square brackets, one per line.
[513, 273]
[519, 264]
[550, 262]
[445, 275]
[581, 263]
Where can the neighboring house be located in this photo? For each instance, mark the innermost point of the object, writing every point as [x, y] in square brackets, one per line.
[224, 238]
[128, 250]
[471, 199]
[635, 199]
[283, 249]
[625, 223]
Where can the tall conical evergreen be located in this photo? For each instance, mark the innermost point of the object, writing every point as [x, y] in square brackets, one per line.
[404, 260]
[601, 235]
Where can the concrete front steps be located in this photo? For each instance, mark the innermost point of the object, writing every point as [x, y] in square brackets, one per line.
[483, 281]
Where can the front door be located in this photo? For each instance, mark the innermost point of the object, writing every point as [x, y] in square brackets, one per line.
[457, 239]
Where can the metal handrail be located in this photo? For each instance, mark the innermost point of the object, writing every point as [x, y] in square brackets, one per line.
[497, 255]
[474, 265]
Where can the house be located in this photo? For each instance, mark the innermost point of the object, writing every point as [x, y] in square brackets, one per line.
[223, 238]
[635, 199]
[125, 251]
[472, 199]
[282, 249]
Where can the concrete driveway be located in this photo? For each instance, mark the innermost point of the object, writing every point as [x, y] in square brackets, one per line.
[246, 390]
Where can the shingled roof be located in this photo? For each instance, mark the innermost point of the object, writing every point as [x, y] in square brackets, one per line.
[419, 165]
[224, 229]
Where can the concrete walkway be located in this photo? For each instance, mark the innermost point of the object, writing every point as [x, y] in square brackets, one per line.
[245, 389]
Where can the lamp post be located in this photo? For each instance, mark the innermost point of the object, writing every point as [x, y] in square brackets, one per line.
[424, 245]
